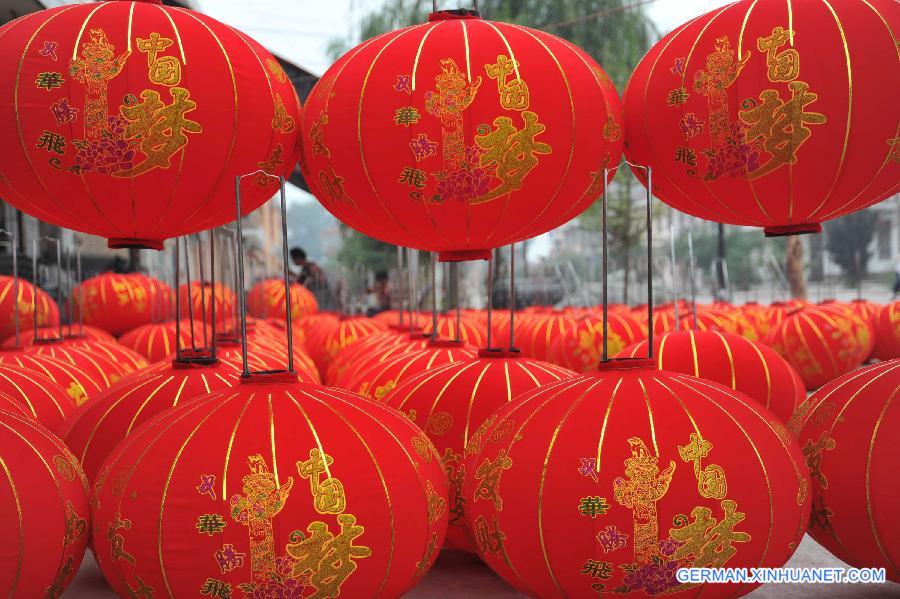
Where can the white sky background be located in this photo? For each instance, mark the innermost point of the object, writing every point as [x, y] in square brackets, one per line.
[300, 30]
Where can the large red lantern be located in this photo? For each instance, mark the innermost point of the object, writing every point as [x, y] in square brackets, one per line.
[130, 120]
[451, 403]
[100, 368]
[821, 344]
[114, 302]
[538, 335]
[273, 489]
[460, 135]
[848, 430]
[750, 367]
[625, 476]
[771, 113]
[112, 416]
[334, 340]
[266, 299]
[44, 511]
[356, 354]
[78, 384]
[380, 378]
[41, 398]
[887, 332]
[345, 372]
[580, 347]
[158, 341]
[47, 310]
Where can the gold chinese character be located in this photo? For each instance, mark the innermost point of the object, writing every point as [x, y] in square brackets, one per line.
[164, 70]
[514, 92]
[710, 542]
[781, 125]
[282, 121]
[161, 128]
[328, 494]
[488, 477]
[785, 65]
[513, 151]
[328, 560]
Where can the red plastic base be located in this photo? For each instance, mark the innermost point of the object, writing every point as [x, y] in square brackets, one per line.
[499, 352]
[269, 376]
[127, 243]
[785, 230]
[464, 255]
[627, 364]
[447, 15]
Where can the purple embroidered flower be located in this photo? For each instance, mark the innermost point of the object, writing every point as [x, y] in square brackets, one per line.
[736, 158]
[110, 153]
[275, 589]
[655, 578]
[669, 546]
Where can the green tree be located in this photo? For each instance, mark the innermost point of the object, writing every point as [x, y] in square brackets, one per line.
[847, 239]
[357, 248]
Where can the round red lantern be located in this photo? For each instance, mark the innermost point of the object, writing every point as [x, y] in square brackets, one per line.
[848, 430]
[452, 402]
[283, 489]
[78, 384]
[113, 302]
[381, 377]
[39, 396]
[347, 370]
[47, 310]
[464, 330]
[580, 347]
[887, 332]
[158, 341]
[347, 332]
[130, 120]
[459, 135]
[354, 355]
[112, 416]
[540, 332]
[755, 114]
[628, 474]
[100, 368]
[44, 511]
[266, 300]
[203, 300]
[821, 344]
[750, 367]
[717, 319]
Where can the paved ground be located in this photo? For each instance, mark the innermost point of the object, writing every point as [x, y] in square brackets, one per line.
[458, 575]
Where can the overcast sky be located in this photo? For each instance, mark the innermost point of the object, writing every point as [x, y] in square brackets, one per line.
[299, 30]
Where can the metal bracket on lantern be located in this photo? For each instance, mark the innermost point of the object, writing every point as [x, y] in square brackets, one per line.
[205, 355]
[69, 297]
[34, 312]
[511, 349]
[288, 375]
[11, 241]
[605, 359]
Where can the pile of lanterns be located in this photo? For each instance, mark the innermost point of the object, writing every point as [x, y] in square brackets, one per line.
[318, 454]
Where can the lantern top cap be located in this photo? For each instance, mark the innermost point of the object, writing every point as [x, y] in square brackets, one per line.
[627, 364]
[446, 343]
[453, 15]
[497, 352]
[269, 377]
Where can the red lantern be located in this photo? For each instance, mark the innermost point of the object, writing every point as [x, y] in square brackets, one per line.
[353, 354]
[114, 415]
[266, 357]
[626, 475]
[887, 332]
[200, 300]
[97, 366]
[40, 397]
[454, 401]
[47, 310]
[342, 372]
[282, 489]
[821, 344]
[126, 359]
[130, 120]
[744, 365]
[381, 377]
[86, 331]
[347, 332]
[580, 347]
[467, 331]
[113, 302]
[717, 319]
[78, 384]
[44, 510]
[539, 334]
[459, 135]
[848, 430]
[266, 300]
[157, 341]
[753, 115]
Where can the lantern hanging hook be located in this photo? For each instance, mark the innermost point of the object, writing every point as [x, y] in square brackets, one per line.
[605, 271]
[242, 300]
[675, 297]
[34, 263]
[690, 240]
[11, 240]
